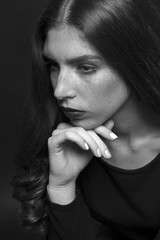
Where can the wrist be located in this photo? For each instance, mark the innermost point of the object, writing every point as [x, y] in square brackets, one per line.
[62, 194]
[59, 182]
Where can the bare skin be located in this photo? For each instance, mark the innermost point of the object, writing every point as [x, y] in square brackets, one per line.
[138, 140]
[94, 87]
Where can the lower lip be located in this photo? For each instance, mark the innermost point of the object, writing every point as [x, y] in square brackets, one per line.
[74, 114]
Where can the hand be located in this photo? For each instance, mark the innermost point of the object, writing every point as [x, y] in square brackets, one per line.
[71, 149]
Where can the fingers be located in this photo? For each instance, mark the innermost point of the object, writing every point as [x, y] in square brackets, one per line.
[109, 124]
[104, 151]
[59, 138]
[77, 135]
[105, 132]
[89, 140]
[63, 126]
[84, 139]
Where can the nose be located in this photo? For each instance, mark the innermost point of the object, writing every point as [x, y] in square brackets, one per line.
[64, 87]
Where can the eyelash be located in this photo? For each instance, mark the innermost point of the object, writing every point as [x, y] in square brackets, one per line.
[84, 69]
[87, 69]
[51, 66]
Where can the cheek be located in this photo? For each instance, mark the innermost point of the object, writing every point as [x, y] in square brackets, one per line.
[116, 89]
[110, 91]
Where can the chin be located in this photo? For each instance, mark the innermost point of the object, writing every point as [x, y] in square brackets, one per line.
[87, 124]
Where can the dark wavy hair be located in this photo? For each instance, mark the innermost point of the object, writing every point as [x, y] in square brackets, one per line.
[127, 34]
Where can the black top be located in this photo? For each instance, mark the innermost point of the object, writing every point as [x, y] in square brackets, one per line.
[111, 204]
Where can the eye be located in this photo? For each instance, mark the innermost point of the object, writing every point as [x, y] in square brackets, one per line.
[87, 69]
[51, 66]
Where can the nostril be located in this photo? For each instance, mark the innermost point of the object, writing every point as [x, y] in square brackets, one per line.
[59, 96]
[63, 93]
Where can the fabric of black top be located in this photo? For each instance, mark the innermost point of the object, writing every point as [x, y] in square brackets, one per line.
[111, 204]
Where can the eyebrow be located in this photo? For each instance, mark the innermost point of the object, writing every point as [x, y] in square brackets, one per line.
[76, 60]
[83, 58]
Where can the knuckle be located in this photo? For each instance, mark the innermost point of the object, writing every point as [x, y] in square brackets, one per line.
[61, 125]
[79, 129]
[64, 125]
[68, 134]
[50, 141]
[54, 132]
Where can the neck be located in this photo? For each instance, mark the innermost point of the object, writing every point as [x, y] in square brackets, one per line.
[132, 124]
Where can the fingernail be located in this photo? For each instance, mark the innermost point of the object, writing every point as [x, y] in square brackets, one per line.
[107, 154]
[99, 153]
[86, 146]
[112, 135]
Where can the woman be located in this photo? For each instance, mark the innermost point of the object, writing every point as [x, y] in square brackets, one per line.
[89, 163]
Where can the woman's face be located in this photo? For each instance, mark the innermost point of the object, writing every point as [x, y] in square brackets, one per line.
[89, 91]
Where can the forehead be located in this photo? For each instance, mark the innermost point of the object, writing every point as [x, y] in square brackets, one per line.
[66, 41]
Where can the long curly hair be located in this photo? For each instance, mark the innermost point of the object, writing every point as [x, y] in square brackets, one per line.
[127, 34]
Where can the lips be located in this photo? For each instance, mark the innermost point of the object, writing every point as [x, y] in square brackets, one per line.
[72, 112]
[71, 109]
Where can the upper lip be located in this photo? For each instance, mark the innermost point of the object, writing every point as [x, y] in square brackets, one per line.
[70, 109]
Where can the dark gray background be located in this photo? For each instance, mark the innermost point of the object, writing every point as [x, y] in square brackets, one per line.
[18, 19]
